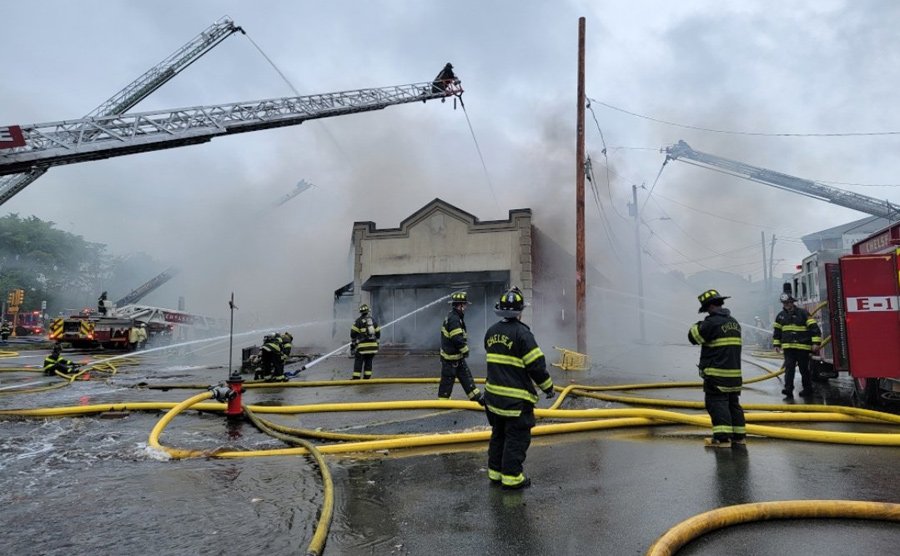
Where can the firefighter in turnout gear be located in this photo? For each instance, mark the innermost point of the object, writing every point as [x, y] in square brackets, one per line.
[455, 350]
[270, 355]
[5, 330]
[515, 364]
[284, 342]
[719, 338]
[364, 336]
[54, 363]
[796, 333]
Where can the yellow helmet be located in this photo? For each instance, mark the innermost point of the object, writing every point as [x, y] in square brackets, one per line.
[709, 297]
[459, 297]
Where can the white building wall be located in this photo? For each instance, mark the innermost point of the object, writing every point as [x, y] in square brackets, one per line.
[440, 238]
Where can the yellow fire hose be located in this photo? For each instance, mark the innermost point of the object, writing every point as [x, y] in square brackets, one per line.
[595, 419]
[317, 543]
[688, 530]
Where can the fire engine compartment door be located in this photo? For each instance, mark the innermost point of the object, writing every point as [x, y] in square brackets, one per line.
[872, 294]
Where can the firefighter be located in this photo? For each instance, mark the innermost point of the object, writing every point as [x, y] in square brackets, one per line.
[719, 338]
[443, 79]
[101, 304]
[270, 353]
[5, 330]
[284, 342]
[515, 364]
[455, 350]
[795, 333]
[364, 336]
[142, 336]
[134, 337]
[54, 363]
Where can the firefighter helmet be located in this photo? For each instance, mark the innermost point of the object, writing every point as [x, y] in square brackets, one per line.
[56, 349]
[459, 297]
[786, 297]
[511, 303]
[288, 336]
[710, 297]
[364, 308]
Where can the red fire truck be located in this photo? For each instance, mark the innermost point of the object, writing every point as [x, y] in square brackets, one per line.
[91, 330]
[859, 295]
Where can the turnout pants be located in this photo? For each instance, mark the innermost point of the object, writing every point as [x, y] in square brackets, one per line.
[267, 366]
[800, 359]
[362, 365]
[510, 438]
[452, 370]
[726, 414]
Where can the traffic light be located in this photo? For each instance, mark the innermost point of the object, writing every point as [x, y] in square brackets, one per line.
[11, 298]
[20, 297]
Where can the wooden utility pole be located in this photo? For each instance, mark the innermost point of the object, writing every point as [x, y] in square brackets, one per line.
[580, 286]
[640, 270]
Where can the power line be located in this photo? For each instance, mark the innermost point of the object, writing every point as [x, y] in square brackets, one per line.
[756, 133]
[606, 165]
[606, 225]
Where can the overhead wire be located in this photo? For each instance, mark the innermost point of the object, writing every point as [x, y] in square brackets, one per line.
[295, 91]
[604, 221]
[734, 132]
[606, 158]
[487, 175]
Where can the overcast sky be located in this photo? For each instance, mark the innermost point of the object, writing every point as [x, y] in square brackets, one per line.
[768, 66]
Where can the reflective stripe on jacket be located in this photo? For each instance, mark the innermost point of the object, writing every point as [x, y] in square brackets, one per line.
[719, 338]
[796, 329]
[366, 333]
[56, 363]
[454, 339]
[515, 364]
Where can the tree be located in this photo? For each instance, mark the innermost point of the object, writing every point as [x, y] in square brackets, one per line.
[49, 264]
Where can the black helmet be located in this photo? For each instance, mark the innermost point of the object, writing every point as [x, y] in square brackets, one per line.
[710, 297]
[511, 303]
[459, 297]
[56, 348]
[363, 308]
[786, 297]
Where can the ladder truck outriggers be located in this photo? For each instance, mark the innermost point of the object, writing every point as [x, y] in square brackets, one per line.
[853, 295]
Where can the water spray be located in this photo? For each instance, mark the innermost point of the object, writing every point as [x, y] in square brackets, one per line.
[292, 374]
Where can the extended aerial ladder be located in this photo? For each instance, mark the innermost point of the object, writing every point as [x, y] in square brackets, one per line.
[863, 203]
[136, 91]
[41, 146]
[144, 289]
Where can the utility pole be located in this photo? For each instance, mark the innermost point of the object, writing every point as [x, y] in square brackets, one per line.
[580, 285]
[640, 271]
[771, 265]
[766, 284]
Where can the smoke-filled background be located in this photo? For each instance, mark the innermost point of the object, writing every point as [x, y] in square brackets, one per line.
[763, 67]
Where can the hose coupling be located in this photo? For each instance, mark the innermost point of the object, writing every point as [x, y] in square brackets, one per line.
[222, 393]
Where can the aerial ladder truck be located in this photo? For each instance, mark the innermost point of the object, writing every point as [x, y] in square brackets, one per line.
[36, 147]
[128, 97]
[144, 289]
[863, 203]
[854, 295]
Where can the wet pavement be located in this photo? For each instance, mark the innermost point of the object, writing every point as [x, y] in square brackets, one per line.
[92, 486]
